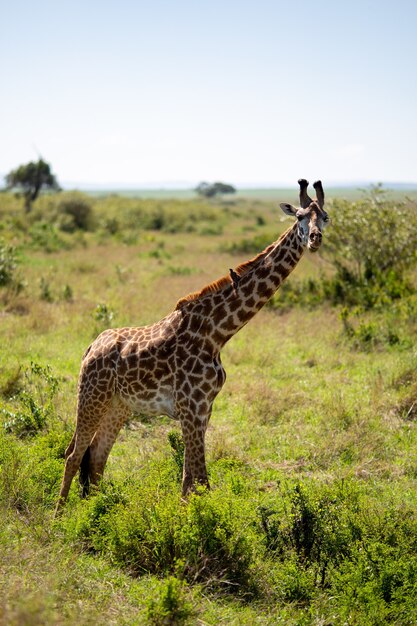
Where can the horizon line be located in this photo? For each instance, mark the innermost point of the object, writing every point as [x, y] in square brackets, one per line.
[188, 186]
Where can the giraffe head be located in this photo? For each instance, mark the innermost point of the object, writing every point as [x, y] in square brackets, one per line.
[311, 216]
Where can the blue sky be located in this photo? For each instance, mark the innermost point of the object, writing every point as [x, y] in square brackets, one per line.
[162, 92]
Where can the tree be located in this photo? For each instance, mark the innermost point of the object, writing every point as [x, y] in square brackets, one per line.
[373, 236]
[31, 178]
[210, 190]
[372, 245]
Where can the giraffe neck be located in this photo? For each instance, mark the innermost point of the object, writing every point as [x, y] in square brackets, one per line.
[222, 313]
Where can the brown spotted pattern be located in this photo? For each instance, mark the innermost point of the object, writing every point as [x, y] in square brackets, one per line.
[172, 367]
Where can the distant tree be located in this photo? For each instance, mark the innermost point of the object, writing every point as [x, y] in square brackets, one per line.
[31, 178]
[210, 190]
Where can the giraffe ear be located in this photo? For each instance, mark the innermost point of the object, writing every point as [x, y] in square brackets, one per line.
[288, 209]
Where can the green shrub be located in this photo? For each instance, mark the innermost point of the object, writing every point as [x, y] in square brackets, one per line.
[379, 582]
[307, 293]
[45, 236]
[371, 245]
[31, 470]
[358, 550]
[170, 606]
[318, 531]
[74, 212]
[294, 583]
[33, 404]
[147, 529]
[68, 293]
[171, 216]
[45, 290]
[212, 545]
[8, 264]
[368, 334]
[372, 236]
[104, 315]
[177, 449]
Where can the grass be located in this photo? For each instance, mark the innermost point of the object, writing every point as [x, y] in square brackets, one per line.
[312, 446]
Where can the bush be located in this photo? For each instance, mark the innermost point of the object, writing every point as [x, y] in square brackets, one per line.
[45, 236]
[318, 532]
[10, 278]
[147, 529]
[307, 293]
[8, 264]
[369, 334]
[74, 212]
[104, 315]
[336, 538]
[31, 470]
[170, 606]
[371, 245]
[34, 402]
[177, 450]
[373, 235]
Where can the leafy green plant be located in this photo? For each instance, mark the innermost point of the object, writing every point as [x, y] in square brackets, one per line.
[177, 449]
[45, 290]
[212, 545]
[68, 293]
[8, 263]
[369, 334]
[74, 212]
[371, 244]
[319, 530]
[308, 293]
[35, 402]
[372, 235]
[103, 314]
[170, 606]
[111, 225]
[45, 236]
[149, 530]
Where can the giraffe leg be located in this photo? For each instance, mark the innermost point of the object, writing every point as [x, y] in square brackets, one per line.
[72, 465]
[104, 438]
[88, 420]
[195, 471]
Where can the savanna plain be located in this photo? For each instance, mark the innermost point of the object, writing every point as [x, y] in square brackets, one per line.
[312, 445]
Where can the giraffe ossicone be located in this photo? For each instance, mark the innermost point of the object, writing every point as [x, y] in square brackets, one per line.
[173, 367]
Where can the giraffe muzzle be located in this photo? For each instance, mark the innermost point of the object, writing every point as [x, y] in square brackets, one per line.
[314, 241]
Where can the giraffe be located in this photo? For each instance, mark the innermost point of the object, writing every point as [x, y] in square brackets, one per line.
[173, 367]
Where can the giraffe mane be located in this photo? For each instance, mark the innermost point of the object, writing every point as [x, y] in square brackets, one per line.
[218, 284]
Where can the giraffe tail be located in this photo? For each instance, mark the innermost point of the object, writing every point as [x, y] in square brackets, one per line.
[85, 473]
